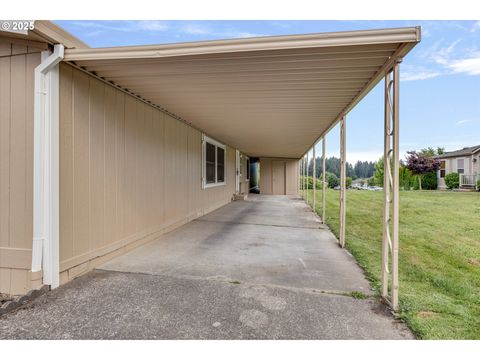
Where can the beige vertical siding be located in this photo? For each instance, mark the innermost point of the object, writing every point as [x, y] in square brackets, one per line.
[289, 182]
[128, 173]
[18, 60]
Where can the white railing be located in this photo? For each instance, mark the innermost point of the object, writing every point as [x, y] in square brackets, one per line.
[468, 180]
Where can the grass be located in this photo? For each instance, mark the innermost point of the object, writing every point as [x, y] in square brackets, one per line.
[439, 258]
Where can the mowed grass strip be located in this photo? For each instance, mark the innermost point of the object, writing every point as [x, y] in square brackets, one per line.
[439, 257]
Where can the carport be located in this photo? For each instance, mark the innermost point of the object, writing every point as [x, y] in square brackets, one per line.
[274, 97]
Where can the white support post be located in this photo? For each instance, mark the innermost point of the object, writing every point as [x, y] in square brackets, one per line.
[314, 178]
[342, 181]
[391, 188]
[324, 184]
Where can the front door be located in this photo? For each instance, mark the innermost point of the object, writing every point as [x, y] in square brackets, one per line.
[278, 177]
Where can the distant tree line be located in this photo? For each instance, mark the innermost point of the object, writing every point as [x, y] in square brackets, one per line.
[362, 169]
[418, 171]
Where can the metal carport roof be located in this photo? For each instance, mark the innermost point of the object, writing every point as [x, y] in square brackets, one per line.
[266, 96]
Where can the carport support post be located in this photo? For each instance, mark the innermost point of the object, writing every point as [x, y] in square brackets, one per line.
[391, 187]
[342, 181]
[314, 178]
[324, 185]
[306, 178]
[300, 186]
[303, 178]
[299, 173]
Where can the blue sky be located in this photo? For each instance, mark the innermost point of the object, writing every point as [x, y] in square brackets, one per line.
[440, 89]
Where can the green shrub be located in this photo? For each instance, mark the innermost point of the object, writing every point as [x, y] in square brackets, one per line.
[452, 180]
[429, 181]
[318, 183]
[332, 180]
[371, 181]
[348, 182]
[478, 184]
[415, 182]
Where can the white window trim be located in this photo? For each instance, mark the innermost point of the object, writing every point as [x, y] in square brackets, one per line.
[464, 163]
[247, 171]
[217, 144]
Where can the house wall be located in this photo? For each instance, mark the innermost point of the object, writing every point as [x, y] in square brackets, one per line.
[18, 59]
[266, 176]
[476, 164]
[128, 173]
[451, 165]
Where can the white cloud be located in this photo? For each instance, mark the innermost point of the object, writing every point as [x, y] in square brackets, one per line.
[476, 26]
[442, 56]
[152, 25]
[457, 61]
[462, 122]
[242, 34]
[196, 29]
[469, 66]
[199, 29]
[121, 26]
[419, 75]
[354, 156]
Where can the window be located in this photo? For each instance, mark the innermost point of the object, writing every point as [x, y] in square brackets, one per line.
[214, 155]
[220, 164]
[442, 168]
[461, 166]
[210, 163]
[248, 169]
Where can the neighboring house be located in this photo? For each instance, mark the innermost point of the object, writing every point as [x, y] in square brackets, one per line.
[465, 162]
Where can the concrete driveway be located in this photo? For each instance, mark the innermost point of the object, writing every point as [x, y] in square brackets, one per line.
[264, 268]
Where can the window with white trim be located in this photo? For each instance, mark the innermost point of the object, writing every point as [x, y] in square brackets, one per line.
[460, 166]
[443, 164]
[214, 161]
[247, 165]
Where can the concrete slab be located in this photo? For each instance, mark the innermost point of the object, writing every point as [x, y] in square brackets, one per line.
[258, 269]
[114, 305]
[264, 240]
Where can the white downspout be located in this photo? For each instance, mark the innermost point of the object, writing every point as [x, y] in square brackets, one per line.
[45, 249]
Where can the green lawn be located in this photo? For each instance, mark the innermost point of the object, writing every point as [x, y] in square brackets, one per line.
[439, 259]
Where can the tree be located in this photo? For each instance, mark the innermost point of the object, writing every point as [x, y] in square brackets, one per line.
[379, 171]
[371, 181]
[406, 178]
[420, 164]
[429, 151]
[350, 171]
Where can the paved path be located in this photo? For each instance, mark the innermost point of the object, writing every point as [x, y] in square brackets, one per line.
[258, 269]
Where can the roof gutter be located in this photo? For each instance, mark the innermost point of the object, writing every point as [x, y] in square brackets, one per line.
[45, 249]
[345, 38]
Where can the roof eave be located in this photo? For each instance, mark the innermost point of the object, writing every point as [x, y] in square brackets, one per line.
[347, 38]
[55, 34]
